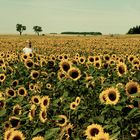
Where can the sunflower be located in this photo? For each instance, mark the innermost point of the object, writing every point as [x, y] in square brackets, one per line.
[44, 74]
[51, 63]
[7, 133]
[30, 55]
[62, 120]
[73, 106]
[22, 91]
[48, 86]
[69, 128]
[121, 69]
[77, 100]
[132, 88]
[14, 121]
[65, 65]
[29, 63]
[15, 83]
[97, 64]
[2, 103]
[131, 58]
[7, 125]
[31, 86]
[10, 92]
[106, 57]
[45, 101]
[38, 138]
[135, 61]
[2, 77]
[43, 115]
[36, 99]
[16, 135]
[60, 57]
[134, 132]
[93, 130]
[34, 74]
[120, 85]
[102, 136]
[102, 97]
[74, 73]
[4, 68]
[17, 109]
[31, 114]
[24, 57]
[82, 60]
[61, 75]
[112, 96]
[1, 61]
[90, 59]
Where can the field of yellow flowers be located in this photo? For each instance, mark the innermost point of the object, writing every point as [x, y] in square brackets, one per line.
[70, 88]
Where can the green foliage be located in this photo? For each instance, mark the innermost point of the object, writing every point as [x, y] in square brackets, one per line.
[37, 29]
[20, 28]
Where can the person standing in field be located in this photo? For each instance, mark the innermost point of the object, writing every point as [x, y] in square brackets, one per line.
[28, 49]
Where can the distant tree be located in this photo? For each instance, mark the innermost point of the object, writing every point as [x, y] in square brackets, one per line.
[20, 28]
[37, 29]
[134, 30]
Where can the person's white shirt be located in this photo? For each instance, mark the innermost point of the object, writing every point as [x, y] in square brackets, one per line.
[27, 50]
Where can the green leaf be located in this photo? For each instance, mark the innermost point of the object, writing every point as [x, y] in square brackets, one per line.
[49, 134]
[114, 136]
[37, 130]
[119, 108]
[2, 112]
[132, 112]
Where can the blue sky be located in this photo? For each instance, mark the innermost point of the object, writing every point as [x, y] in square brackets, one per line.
[106, 16]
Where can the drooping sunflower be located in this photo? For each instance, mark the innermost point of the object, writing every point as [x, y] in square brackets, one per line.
[43, 115]
[22, 91]
[74, 73]
[10, 92]
[62, 120]
[68, 129]
[93, 130]
[73, 105]
[31, 114]
[17, 110]
[65, 65]
[121, 69]
[34, 74]
[15, 121]
[112, 96]
[77, 100]
[45, 101]
[2, 77]
[132, 88]
[16, 135]
[102, 136]
[36, 99]
[29, 63]
[38, 138]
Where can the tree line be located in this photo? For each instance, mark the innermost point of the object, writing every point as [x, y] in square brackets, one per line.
[20, 28]
[134, 30]
[82, 33]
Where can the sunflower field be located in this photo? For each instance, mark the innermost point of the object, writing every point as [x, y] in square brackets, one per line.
[70, 88]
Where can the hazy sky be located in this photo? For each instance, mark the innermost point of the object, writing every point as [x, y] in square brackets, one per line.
[106, 16]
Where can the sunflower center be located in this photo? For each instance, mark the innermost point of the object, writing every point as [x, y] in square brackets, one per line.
[35, 75]
[2, 77]
[91, 60]
[112, 96]
[134, 132]
[36, 100]
[121, 70]
[97, 65]
[14, 122]
[29, 64]
[74, 74]
[45, 102]
[17, 138]
[43, 114]
[21, 92]
[62, 121]
[11, 92]
[1, 104]
[15, 83]
[94, 131]
[32, 112]
[133, 90]
[16, 111]
[66, 67]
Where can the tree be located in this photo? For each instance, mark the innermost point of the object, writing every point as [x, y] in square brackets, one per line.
[37, 29]
[20, 28]
[134, 30]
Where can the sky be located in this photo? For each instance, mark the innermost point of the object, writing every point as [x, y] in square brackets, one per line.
[56, 16]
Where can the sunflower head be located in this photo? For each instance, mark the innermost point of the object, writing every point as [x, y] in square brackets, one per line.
[43, 115]
[2, 77]
[62, 120]
[29, 63]
[132, 88]
[17, 110]
[10, 92]
[77, 100]
[17, 135]
[34, 74]
[121, 69]
[73, 106]
[15, 121]
[134, 132]
[15, 83]
[38, 138]
[22, 91]
[74, 73]
[93, 130]
[65, 65]
[45, 101]
[36, 99]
